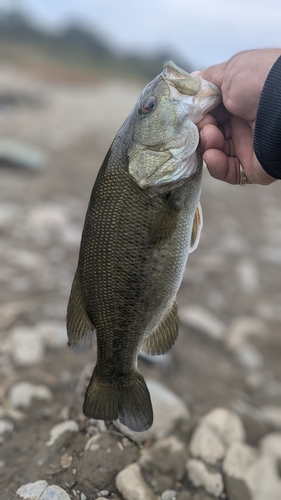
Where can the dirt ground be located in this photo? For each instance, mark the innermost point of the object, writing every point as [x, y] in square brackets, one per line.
[234, 274]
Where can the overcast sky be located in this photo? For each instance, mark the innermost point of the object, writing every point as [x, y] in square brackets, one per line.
[205, 32]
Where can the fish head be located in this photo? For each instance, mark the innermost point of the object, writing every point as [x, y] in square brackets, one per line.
[165, 134]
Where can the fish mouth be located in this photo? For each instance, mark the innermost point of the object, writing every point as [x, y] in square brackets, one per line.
[203, 95]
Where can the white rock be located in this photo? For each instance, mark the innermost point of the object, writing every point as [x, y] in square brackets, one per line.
[238, 458]
[200, 476]
[241, 329]
[22, 394]
[270, 445]
[263, 479]
[59, 429]
[83, 497]
[27, 347]
[6, 427]
[169, 495]
[53, 333]
[132, 485]
[32, 491]
[168, 409]
[214, 434]
[200, 319]
[207, 445]
[271, 415]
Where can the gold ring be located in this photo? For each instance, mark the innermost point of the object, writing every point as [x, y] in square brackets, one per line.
[243, 177]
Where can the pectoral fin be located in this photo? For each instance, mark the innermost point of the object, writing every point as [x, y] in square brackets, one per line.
[80, 329]
[163, 226]
[161, 339]
[196, 229]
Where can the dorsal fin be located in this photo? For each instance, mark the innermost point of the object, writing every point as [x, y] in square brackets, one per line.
[196, 229]
[161, 339]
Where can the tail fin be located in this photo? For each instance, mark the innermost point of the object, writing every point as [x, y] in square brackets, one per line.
[128, 400]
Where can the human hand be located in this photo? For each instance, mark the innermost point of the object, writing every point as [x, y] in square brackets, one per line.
[226, 135]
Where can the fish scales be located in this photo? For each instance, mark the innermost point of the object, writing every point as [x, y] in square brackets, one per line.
[134, 248]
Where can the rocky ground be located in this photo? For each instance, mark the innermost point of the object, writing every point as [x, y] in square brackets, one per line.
[216, 394]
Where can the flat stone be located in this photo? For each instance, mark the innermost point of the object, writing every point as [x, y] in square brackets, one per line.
[168, 456]
[132, 485]
[59, 429]
[27, 347]
[199, 475]
[241, 329]
[238, 458]
[168, 410]
[23, 393]
[200, 319]
[214, 434]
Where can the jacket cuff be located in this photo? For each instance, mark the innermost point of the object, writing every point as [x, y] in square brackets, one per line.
[267, 135]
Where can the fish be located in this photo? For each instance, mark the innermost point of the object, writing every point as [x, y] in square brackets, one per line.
[143, 220]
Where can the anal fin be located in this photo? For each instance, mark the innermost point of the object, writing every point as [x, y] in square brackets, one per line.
[80, 329]
[161, 339]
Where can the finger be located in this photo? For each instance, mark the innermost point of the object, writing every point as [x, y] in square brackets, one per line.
[214, 74]
[211, 137]
[206, 120]
[222, 167]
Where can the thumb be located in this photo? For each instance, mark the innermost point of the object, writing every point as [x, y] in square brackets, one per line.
[213, 74]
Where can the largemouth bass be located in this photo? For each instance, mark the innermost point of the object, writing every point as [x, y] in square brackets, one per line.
[143, 220]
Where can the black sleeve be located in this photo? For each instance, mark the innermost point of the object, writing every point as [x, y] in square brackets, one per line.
[267, 136]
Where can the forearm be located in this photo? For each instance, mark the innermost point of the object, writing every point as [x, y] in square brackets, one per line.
[267, 136]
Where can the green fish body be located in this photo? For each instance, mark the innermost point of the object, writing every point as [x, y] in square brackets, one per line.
[142, 222]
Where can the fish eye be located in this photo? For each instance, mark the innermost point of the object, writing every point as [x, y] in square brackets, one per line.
[148, 105]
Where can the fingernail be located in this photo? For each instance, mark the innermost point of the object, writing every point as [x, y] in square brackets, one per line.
[195, 73]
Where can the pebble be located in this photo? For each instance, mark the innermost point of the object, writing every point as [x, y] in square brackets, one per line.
[168, 410]
[66, 461]
[27, 347]
[238, 458]
[53, 333]
[169, 495]
[59, 429]
[168, 456]
[270, 445]
[200, 476]
[22, 394]
[214, 434]
[249, 357]
[83, 497]
[200, 319]
[240, 329]
[132, 485]
[248, 276]
[271, 415]
[6, 427]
